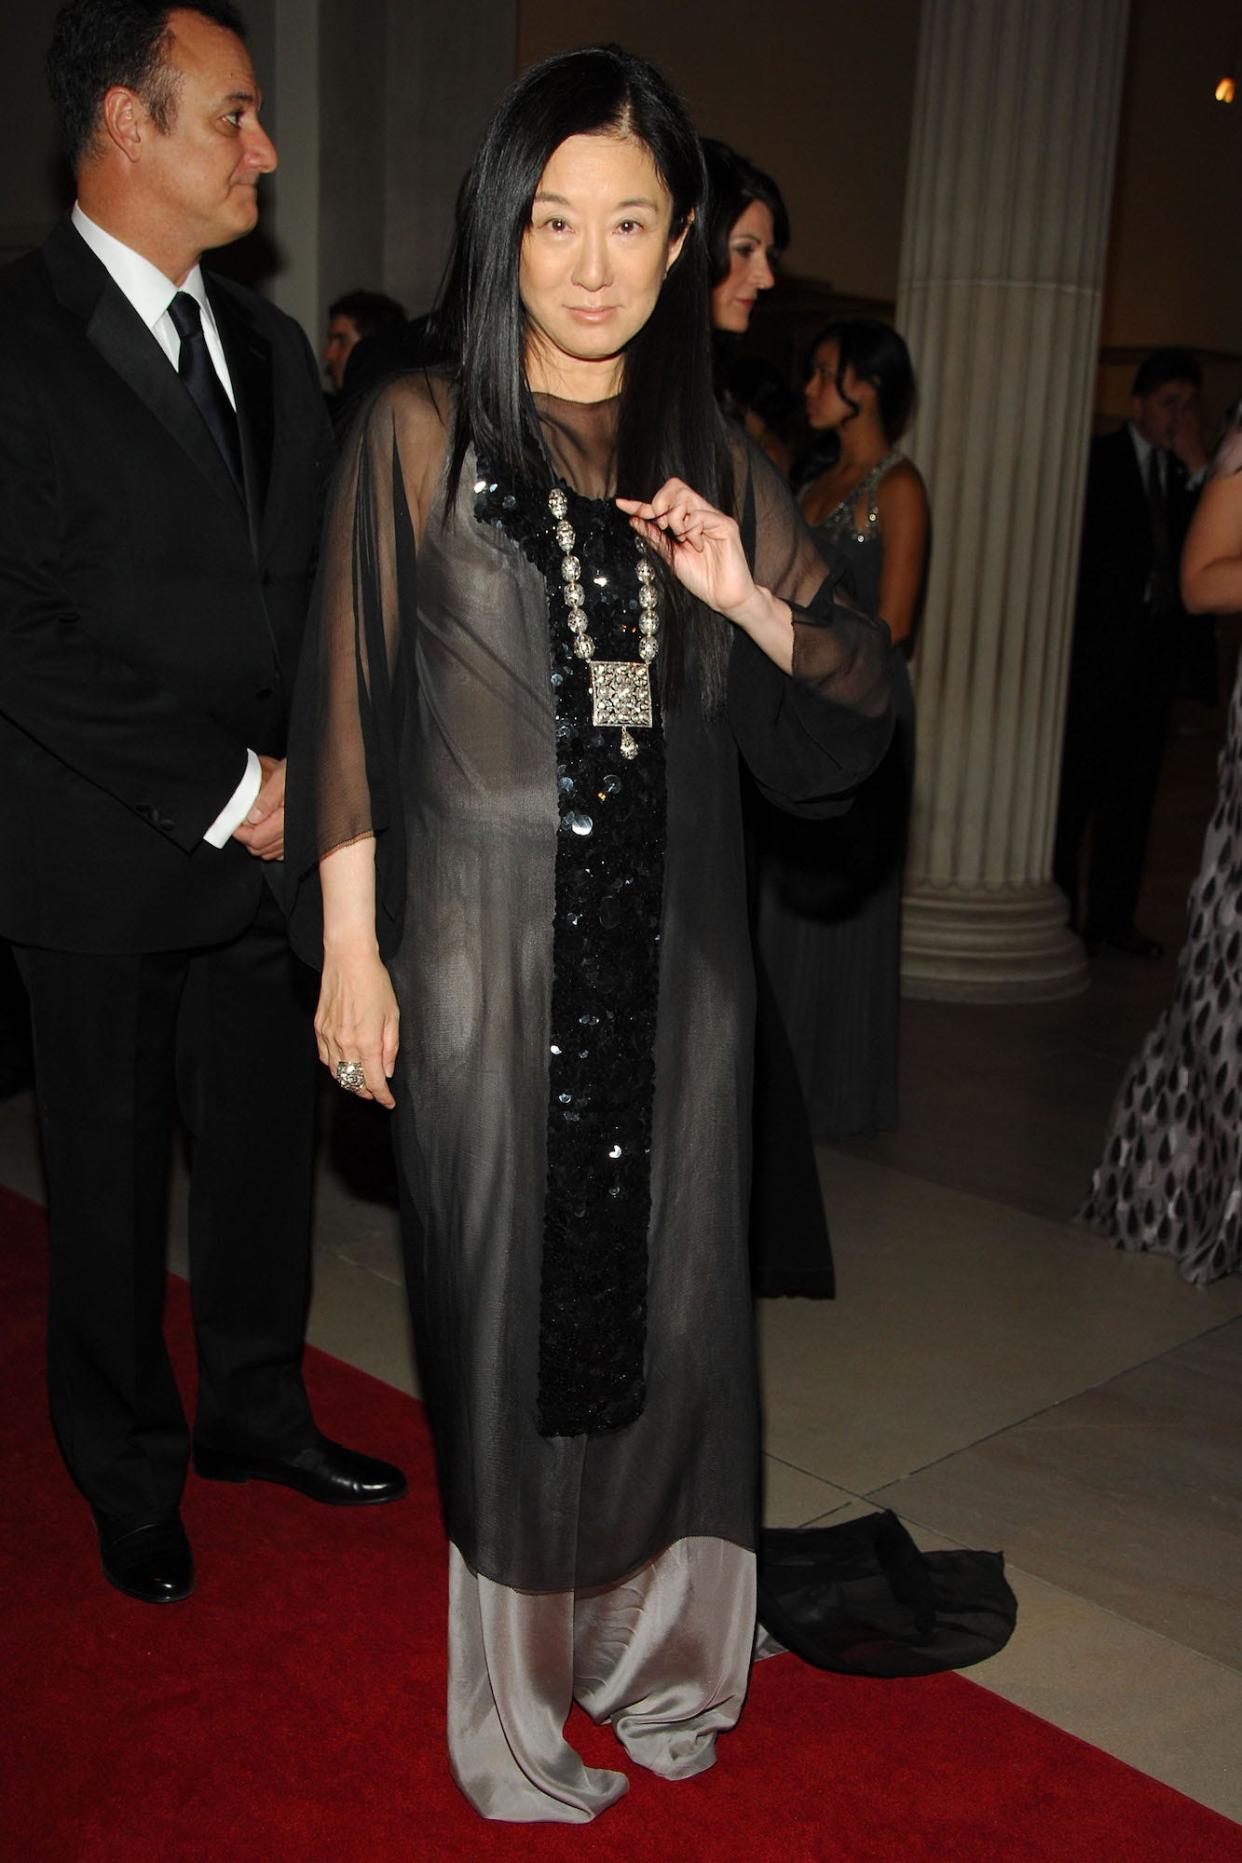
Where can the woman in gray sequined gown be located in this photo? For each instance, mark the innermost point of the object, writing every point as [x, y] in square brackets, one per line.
[540, 934]
[1170, 1179]
[829, 923]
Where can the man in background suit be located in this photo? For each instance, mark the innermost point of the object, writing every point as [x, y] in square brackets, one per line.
[1142, 484]
[163, 454]
[352, 319]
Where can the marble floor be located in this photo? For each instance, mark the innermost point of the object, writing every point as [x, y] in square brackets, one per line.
[990, 1371]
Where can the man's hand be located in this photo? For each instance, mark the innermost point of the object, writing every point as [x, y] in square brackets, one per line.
[263, 831]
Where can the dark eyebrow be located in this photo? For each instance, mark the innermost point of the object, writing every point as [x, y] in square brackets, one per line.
[240, 97]
[559, 200]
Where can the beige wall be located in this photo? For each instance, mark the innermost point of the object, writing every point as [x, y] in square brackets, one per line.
[36, 183]
[822, 97]
[1175, 262]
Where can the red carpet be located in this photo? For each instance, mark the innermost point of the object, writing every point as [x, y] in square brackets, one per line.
[293, 1708]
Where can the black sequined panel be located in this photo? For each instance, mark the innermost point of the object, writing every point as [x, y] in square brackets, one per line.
[605, 986]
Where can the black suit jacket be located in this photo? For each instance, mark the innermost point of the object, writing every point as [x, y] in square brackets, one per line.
[1115, 562]
[150, 619]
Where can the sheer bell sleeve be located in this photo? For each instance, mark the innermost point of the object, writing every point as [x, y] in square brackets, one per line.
[357, 679]
[810, 737]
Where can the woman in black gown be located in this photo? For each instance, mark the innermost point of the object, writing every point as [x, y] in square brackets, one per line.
[747, 228]
[830, 906]
[535, 938]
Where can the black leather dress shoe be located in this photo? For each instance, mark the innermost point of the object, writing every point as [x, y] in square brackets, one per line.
[152, 1563]
[325, 1472]
[1130, 943]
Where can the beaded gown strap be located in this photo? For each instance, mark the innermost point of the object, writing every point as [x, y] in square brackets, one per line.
[841, 517]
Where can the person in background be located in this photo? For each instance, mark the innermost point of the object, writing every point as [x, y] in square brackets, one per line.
[869, 506]
[1170, 1177]
[757, 395]
[747, 230]
[790, 1249]
[1142, 483]
[157, 536]
[830, 907]
[357, 315]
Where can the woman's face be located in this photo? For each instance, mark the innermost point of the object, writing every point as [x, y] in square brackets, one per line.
[826, 407]
[593, 260]
[752, 254]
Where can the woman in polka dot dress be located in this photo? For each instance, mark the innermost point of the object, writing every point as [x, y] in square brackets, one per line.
[1170, 1181]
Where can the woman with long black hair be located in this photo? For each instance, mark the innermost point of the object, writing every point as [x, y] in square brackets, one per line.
[746, 227]
[543, 636]
[746, 230]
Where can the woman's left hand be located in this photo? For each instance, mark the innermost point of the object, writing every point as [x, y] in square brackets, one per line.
[701, 545]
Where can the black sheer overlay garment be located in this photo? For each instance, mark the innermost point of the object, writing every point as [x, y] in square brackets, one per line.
[567, 936]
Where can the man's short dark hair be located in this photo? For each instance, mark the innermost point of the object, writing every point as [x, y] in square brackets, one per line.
[368, 311]
[97, 44]
[1164, 366]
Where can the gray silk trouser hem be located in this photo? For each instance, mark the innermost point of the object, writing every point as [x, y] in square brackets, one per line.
[664, 1656]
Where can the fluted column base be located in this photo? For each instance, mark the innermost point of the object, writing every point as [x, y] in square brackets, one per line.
[989, 944]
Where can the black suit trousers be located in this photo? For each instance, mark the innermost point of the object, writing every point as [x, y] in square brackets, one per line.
[1117, 719]
[121, 1041]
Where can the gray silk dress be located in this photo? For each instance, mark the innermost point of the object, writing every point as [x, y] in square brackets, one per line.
[567, 936]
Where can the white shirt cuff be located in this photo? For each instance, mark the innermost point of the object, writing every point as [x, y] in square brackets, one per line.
[239, 804]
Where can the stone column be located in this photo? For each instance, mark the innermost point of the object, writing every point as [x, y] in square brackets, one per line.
[1002, 272]
[376, 111]
[449, 64]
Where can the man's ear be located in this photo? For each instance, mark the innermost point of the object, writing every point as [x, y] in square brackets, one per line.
[675, 245]
[123, 120]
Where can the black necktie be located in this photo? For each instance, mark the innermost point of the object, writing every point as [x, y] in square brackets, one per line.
[1163, 568]
[198, 372]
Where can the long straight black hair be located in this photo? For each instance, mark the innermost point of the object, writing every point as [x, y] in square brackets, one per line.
[668, 425]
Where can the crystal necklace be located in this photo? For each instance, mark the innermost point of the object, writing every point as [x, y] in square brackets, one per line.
[620, 689]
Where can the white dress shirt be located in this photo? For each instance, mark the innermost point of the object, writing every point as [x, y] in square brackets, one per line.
[1142, 452]
[1142, 449]
[151, 293]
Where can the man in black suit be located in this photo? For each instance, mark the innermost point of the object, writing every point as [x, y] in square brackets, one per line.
[163, 454]
[1142, 484]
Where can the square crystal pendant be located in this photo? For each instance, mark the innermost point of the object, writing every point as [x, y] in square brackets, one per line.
[621, 692]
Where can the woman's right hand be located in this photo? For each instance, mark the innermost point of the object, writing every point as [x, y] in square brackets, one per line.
[357, 1020]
